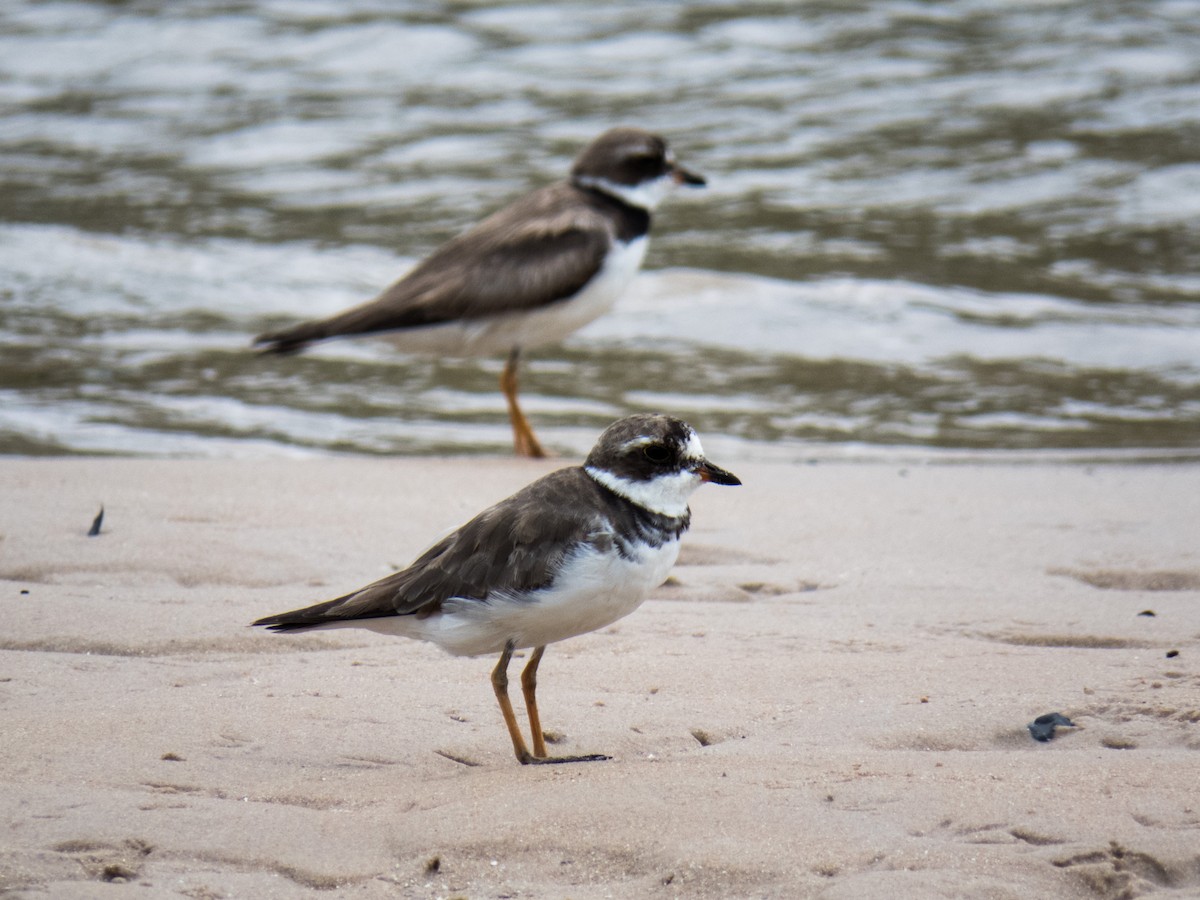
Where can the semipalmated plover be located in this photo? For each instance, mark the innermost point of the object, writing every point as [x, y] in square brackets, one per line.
[530, 274]
[572, 552]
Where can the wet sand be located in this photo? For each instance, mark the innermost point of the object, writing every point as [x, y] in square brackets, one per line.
[828, 699]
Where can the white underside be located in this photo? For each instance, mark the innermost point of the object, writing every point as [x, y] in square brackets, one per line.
[593, 590]
[497, 335]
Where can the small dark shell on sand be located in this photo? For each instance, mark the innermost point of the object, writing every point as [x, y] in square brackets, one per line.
[1042, 728]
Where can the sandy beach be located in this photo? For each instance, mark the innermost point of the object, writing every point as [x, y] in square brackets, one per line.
[828, 699]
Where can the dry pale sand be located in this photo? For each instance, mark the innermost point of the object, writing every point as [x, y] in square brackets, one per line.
[828, 700]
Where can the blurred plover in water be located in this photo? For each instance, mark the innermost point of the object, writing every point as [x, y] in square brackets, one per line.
[531, 274]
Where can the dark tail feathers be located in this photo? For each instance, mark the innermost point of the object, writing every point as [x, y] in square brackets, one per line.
[275, 623]
[290, 340]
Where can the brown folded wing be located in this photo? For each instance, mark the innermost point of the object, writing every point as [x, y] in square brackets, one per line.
[537, 251]
[515, 546]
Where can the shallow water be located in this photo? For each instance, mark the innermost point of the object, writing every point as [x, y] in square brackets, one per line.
[962, 227]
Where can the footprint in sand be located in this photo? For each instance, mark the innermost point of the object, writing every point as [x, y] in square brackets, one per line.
[1132, 580]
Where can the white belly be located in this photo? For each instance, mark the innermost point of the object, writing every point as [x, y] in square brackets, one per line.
[592, 591]
[496, 335]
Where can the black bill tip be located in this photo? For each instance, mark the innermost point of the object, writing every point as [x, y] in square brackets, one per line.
[717, 475]
[685, 176]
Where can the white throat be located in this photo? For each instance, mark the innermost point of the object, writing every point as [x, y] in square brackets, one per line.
[666, 494]
[647, 195]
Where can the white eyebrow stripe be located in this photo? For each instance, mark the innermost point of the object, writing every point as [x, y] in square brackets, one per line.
[641, 441]
[691, 450]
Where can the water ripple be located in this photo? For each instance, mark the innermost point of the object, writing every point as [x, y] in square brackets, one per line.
[949, 227]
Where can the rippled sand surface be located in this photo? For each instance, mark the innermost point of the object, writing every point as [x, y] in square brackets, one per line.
[828, 700]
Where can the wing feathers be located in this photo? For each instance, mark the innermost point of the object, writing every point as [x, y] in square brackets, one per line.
[513, 547]
[539, 250]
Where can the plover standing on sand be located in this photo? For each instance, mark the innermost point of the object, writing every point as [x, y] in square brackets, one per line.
[570, 553]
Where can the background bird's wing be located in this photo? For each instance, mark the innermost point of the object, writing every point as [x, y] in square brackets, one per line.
[534, 252]
[515, 546]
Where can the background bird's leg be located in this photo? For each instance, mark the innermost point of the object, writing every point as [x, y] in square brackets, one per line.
[529, 688]
[500, 686]
[525, 443]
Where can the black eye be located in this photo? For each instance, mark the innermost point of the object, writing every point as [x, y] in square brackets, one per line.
[656, 453]
[646, 165]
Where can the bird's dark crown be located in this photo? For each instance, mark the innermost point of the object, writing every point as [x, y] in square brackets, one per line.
[627, 156]
[642, 447]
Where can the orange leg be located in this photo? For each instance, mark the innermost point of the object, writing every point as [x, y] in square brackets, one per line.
[525, 443]
[529, 689]
[529, 686]
[500, 686]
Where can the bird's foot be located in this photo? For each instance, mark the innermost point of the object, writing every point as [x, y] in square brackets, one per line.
[529, 759]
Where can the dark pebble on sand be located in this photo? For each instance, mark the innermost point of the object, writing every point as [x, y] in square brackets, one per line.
[1042, 728]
